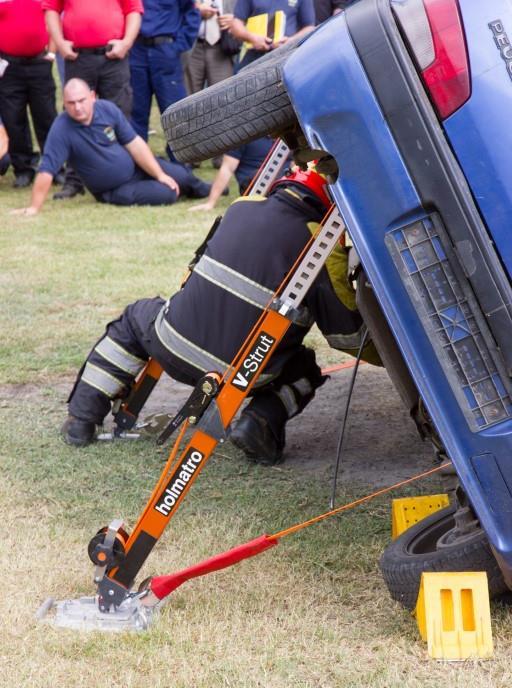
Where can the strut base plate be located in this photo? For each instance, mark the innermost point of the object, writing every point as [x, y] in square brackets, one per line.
[83, 614]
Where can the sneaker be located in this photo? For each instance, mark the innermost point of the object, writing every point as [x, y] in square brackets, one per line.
[24, 179]
[252, 434]
[78, 433]
[68, 191]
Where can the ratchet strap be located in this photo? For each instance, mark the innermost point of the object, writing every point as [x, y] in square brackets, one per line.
[161, 586]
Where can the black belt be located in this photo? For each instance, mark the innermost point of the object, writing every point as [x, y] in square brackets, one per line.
[16, 59]
[100, 50]
[155, 40]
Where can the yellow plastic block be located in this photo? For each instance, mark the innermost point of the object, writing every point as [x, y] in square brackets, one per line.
[409, 510]
[453, 615]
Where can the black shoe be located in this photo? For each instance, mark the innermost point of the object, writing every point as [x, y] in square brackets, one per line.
[78, 432]
[60, 178]
[24, 179]
[201, 190]
[252, 434]
[68, 191]
[217, 162]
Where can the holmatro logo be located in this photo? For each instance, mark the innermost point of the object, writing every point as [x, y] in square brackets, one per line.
[179, 480]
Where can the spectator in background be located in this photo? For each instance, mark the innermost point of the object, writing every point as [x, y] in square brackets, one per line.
[211, 59]
[94, 38]
[300, 19]
[117, 166]
[242, 162]
[208, 62]
[25, 81]
[169, 28]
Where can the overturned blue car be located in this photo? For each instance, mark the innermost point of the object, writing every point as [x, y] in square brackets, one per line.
[406, 105]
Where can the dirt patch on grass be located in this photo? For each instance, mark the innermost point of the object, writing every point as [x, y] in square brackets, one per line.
[381, 444]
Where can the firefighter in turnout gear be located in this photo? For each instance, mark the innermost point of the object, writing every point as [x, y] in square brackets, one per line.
[202, 326]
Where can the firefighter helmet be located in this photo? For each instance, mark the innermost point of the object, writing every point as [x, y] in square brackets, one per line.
[309, 178]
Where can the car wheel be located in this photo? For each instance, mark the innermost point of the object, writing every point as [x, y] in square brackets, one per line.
[248, 105]
[434, 544]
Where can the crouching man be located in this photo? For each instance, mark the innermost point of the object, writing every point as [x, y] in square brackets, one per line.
[203, 325]
[115, 164]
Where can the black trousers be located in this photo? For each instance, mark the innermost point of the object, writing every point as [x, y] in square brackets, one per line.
[106, 373]
[25, 85]
[142, 189]
[110, 79]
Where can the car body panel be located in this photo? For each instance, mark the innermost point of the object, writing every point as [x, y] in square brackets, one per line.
[378, 193]
[480, 132]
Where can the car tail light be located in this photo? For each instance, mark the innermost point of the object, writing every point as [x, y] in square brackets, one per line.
[435, 34]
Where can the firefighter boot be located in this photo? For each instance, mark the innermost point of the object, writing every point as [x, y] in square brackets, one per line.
[259, 442]
[78, 433]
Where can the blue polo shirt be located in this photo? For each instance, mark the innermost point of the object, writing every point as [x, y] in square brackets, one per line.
[96, 151]
[299, 13]
[251, 156]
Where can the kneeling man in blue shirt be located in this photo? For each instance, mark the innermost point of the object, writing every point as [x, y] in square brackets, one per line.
[115, 164]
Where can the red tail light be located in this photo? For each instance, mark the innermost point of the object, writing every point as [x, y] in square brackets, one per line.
[435, 34]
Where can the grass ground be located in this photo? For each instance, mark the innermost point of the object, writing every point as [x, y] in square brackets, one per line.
[311, 612]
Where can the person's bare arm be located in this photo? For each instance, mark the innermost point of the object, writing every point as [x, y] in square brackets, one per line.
[40, 190]
[4, 141]
[305, 30]
[54, 26]
[239, 30]
[222, 178]
[143, 156]
[121, 46]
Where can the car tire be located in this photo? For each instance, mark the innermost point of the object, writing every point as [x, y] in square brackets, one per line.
[248, 105]
[426, 546]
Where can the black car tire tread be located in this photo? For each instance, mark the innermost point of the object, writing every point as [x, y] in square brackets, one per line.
[402, 569]
[248, 105]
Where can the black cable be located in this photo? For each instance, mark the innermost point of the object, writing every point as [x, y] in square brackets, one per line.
[364, 336]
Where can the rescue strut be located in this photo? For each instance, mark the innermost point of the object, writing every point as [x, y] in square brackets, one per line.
[180, 473]
[119, 557]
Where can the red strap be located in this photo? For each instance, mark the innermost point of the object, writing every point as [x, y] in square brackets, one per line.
[162, 586]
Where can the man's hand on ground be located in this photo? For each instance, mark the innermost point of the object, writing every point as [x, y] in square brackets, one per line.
[28, 212]
[170, 182]
[201, 206]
